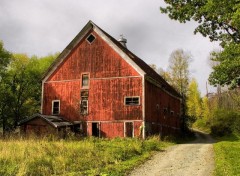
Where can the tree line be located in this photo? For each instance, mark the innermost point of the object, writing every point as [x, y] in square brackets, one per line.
[20, 86]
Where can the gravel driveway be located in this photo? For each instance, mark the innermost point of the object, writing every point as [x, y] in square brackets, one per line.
[192, 159]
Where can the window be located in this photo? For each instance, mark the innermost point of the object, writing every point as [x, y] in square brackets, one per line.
[56, 107]
[132, 101]
[85, 80]
[91, 38]
[84, 103]
[84, 107]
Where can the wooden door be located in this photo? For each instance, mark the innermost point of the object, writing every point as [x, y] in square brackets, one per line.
[128, 129]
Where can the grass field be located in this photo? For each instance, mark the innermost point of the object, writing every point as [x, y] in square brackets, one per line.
[227, 156]
[90, 156]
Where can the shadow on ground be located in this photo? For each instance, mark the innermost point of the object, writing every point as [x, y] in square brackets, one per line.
[202, 138]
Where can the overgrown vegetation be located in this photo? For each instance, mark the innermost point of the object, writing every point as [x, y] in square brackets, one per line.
[20, 86]
[225, 122]
[227, 159]
[90, 156]
[222, 115]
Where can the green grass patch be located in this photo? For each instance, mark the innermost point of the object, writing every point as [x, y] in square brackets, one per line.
[227, 156]
[201, 125]
[90, 156]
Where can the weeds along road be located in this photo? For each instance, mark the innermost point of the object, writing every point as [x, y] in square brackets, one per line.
[191, 159]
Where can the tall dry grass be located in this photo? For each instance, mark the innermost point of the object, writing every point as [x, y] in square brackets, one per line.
[90, 156]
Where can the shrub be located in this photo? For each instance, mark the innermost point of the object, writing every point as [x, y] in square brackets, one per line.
[225, 122]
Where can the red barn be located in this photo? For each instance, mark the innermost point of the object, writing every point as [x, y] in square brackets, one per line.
[104, 90]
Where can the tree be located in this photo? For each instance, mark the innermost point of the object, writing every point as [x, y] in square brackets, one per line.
[20, 92]
[193, 100]
[178, 70]
[5, 58]
[153, 66]
[165, 75]
[219, 20]
[178, 76]
[205, 109]
[25, 84]
[227, 69]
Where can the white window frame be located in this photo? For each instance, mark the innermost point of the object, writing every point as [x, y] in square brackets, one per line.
[132, 97]
[53, 101]
[82, 86]
[89, 36]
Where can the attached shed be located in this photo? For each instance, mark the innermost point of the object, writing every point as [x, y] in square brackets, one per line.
[44, 125]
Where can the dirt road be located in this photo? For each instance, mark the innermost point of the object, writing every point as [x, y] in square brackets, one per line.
[192, 159]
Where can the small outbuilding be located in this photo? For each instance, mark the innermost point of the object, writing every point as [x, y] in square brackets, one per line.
[44, 125]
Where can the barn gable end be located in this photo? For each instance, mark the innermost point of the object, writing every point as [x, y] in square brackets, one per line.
[73, 49]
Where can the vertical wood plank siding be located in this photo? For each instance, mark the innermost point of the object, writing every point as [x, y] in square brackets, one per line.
[157, 121]
[69, 95]
[98, 58]
[106, 99]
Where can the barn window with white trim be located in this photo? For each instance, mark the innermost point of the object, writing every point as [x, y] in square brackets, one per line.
[131, 101]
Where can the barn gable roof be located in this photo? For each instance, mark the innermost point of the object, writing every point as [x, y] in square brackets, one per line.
[54, 121]
[138, 64]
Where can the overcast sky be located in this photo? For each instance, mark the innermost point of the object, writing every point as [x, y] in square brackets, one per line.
[41, 27]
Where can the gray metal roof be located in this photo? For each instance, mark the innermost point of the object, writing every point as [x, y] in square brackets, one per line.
[55, 121]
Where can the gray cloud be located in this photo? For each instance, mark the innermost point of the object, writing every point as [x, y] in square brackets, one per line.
[47, 26]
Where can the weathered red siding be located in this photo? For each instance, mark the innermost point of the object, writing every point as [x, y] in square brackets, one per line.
[111, 130]
[98, 58]
[69, 95]
[156, 120]
[138, 129]
[116, 129]
[106, 99]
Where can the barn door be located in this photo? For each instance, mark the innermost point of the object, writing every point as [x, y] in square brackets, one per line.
[128, 129]
[95, 129]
